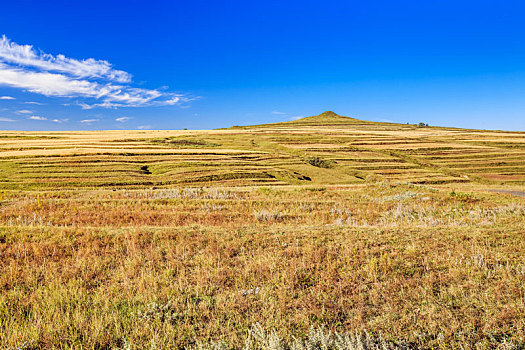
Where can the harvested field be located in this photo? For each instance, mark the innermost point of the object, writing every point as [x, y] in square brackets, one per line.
[163, 239]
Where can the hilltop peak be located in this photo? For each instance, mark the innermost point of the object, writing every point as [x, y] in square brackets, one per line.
[329, 114]
[327, 117]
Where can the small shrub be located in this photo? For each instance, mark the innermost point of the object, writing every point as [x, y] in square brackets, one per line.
[464, 197]
[320, 163]
[181, 142]
[266, 215]
[314, 189]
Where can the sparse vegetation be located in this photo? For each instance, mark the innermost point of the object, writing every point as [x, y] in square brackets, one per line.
[317, 338]
[266, 215]
[320, 163]
[184, 142]
[111, 241]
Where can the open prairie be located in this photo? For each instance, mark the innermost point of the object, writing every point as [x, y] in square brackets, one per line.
[163, 239]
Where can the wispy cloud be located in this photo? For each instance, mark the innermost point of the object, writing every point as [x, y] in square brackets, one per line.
[122, 119]
[144, 127]
[33, 103]
[6, 98]
[60, 120]
[288, 115]
[37, 117]
[24, 111]
[94, 81]
[89, 121]
[6, 120]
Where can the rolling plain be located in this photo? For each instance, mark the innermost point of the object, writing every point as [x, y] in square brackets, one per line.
[164, 239]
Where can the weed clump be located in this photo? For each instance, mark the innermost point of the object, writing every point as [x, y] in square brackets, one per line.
[320, 163]
[179, 142]
[317, 338]
[266, 215]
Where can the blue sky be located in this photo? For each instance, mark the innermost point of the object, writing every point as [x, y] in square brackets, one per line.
[68, 65]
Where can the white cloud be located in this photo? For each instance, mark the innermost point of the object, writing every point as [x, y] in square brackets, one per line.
[33, 103]
[6, 119]
[58, 76]
[144, 127]
[6, 98]
[298, 117]
[173, 101]
[60, 120]
[278, 112]
[123, 119]
[24, 111]
[89, 121]
[25, 55]
[37, 117]
[58, 85]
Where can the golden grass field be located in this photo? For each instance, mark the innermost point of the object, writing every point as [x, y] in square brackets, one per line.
[163, 239]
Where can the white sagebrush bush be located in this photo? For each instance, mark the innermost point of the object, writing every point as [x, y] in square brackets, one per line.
[318, 338]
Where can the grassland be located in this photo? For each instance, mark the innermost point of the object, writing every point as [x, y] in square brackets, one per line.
[161, 239]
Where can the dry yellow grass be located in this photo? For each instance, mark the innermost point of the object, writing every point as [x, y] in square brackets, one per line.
[167, 238]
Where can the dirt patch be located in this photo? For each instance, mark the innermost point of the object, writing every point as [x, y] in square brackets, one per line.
[514, 193]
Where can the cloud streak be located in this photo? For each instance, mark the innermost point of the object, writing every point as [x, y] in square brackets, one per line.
[95, 82]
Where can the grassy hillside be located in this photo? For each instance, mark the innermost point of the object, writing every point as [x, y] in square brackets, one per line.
[162, 239]
[353, 152]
